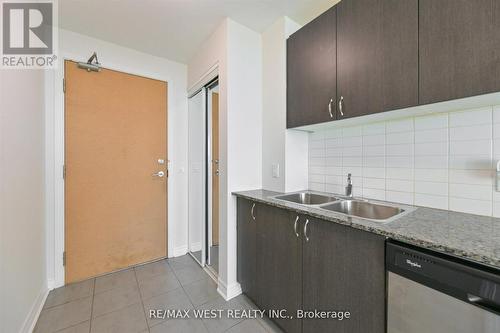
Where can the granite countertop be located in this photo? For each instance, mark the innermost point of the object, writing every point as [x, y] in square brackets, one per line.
[467, 236]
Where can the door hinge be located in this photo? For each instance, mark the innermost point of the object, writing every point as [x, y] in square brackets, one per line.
[64, 85]
[64, 171]
[64, 258]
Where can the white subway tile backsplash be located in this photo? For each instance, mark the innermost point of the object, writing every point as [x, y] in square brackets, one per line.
[371, 193]
[431, 122]
[315, 152]
[333, 161]
[332, 133]
[352, 141]
[316, 161]
[496, 114]
[374, 140]
[431, 162]
[399, 138]
[431, 148]
[334, 152]
[406, 149]
[333, 170]
[471, 162]
[433, 201]
[317, 186]
[352, 161]
[333, 143]
[471, 117]
[373, 161]
[317, 178]
[334, 180]
[478, 192]
[471, 148]
[434, 188]
[374, 150]
[469, 133]
[471, 206]
[443, 161]
[432, 135]
[399, 197]
[431, 175]
[472, 177]
[400, 173]
[374, 183]
[317, 170]
[371, 129]
[337, 189]
[374, 172]
[404, 125]
[399, 185]
[399, 161]
[352, 151]
[352, 131]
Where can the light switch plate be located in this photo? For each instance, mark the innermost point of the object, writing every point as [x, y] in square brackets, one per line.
[276, 170]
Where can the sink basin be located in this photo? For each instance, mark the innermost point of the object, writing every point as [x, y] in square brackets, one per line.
[363, 209]
[306, 198]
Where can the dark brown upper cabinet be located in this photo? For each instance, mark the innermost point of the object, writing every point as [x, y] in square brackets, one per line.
[377, 56]
[311, 72]
[459, 48]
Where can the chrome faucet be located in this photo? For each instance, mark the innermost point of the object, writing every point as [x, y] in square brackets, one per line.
[348, 188]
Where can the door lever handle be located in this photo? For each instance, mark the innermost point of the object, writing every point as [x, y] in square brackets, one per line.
[159, 174]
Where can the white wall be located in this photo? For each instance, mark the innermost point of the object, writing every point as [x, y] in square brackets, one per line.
[79, 47]
[244, 133]
[236, 51]
[444, 160]
[284, 148]
[23, 284]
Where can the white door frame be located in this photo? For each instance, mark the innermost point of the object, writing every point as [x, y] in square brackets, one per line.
[58, 163]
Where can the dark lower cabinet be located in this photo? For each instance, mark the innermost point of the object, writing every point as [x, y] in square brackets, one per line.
[459, 48]
[246, 246]
[344, 271]
[334, 268]
[279, 266]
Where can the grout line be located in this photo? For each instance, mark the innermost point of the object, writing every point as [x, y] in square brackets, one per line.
[142, 302]
[92, 306]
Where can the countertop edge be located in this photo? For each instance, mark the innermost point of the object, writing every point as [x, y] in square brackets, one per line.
[447, 250]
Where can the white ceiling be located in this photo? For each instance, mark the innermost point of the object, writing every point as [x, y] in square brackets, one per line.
[174, 29]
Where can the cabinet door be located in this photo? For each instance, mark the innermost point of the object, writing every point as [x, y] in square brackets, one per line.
[311, 72]
[377, 53]
[459, 48]
[246, 247]
[343, 271]
[279, 265]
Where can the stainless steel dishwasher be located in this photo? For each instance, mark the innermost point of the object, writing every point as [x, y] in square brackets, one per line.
[434, 293]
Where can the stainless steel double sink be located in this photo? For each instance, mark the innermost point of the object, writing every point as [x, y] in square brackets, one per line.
[344, 205]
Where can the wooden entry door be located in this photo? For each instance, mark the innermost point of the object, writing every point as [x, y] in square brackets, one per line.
[115, 139]
[215, 168]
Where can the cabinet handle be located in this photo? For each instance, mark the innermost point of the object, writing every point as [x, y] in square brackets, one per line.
[305, 230]
[341, 102]
[251, 212]
[330, 108]
[295, 226]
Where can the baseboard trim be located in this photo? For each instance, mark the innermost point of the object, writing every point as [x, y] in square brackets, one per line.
[36, 308]
[178, 251]
[51, 284]
[228, 291]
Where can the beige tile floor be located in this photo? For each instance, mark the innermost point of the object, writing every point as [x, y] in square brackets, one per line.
[120, 302]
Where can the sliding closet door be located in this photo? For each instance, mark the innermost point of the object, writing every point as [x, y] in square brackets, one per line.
[197, 196]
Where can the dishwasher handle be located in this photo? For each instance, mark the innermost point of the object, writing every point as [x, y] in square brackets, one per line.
[484, 303]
